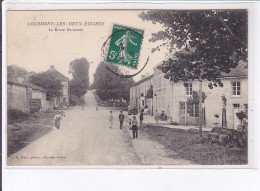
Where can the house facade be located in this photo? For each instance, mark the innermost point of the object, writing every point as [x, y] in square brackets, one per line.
[173, 99]
[162, 93]
[139, 91]
[20, 93]
[36, 91]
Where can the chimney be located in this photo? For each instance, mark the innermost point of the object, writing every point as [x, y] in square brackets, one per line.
[142, 77]
[52, 68]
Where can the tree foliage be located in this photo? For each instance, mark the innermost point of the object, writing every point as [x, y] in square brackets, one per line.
[48, 82]
[206, 43]
[78, 88]
[14, 71]
[79, 69]
[110, 86]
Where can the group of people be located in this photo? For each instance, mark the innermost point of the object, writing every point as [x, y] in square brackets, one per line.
[161, 116]
[133, 123]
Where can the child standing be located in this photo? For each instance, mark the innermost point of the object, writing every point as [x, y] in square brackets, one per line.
[135, 128]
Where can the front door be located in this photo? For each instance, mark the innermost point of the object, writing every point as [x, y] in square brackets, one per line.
[236, 122]
[192, 114]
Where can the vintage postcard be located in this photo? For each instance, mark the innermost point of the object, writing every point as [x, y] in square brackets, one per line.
[131, 88]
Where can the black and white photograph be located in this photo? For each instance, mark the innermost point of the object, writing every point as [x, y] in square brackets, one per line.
[127, 88]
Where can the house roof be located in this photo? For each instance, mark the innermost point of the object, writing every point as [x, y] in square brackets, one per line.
[240, 71]
[26, 84]
[11, 81]
[57, 74]
[34, 87]
[143, 80]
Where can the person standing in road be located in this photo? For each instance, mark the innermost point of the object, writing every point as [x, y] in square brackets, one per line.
[57, 119]
[141, 117]
[111, 118]
[135, 128]
[121, 119]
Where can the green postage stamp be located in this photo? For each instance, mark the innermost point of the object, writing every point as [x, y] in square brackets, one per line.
[125, 46]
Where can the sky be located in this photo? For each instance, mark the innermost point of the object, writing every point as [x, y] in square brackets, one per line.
[35, 48]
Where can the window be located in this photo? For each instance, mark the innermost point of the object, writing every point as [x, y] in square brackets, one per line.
[190, 109]
[163, 101]
[236, 88]
[188, 89]
[193, 110]
[236, 105]
[182, 105]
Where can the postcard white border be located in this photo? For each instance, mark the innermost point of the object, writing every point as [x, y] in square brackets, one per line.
[8, 6]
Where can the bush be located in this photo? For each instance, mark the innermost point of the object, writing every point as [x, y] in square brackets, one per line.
[15, 114]
[229, 137]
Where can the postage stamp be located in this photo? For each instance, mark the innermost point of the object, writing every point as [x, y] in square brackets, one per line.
[125, 46]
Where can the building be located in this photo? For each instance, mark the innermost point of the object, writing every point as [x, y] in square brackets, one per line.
[36, 91]
[162, 93]
[21, 92]
[173, 98]
[139, 91]
[64, 99]
[18, 95]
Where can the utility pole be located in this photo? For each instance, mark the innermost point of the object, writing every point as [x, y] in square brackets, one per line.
[200, 107]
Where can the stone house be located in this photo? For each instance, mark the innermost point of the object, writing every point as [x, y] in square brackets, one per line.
[138, 93]
[20, 93]
[172, 98]
[36, 91]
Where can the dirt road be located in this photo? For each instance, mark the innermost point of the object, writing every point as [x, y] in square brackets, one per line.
[85, 139]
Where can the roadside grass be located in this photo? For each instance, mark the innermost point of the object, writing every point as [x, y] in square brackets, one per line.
[183, 144]
[22, 133]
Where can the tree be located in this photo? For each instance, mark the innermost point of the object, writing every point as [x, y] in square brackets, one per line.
[78, 88]
[110, 86]
[79, 69]
[14, 71]
[206, 44]
[48, 82]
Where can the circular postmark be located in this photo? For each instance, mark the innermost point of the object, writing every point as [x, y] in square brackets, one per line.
[121, 51]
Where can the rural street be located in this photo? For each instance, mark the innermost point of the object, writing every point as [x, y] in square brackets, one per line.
[85, 139]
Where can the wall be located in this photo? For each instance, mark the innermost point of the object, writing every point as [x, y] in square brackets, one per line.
[18, 97]
[162, 90]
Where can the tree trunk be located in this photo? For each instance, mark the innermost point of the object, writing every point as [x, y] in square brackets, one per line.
[200, 108]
